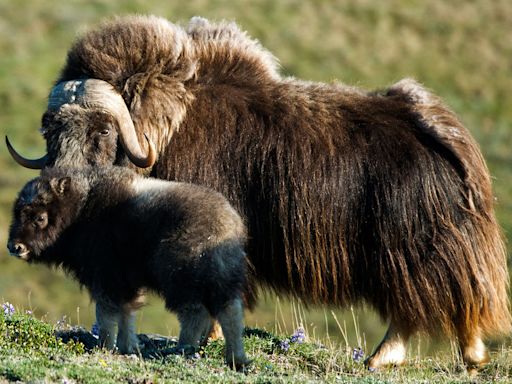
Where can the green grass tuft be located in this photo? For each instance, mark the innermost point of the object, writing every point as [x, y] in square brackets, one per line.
[25, 333]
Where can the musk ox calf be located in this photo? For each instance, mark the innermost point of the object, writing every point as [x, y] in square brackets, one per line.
[350, 196]
[118, 234]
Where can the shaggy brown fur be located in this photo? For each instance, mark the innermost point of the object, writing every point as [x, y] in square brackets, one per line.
[350, 196]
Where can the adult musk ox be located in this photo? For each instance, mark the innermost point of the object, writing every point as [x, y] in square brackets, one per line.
[350, 196]
[119, 233]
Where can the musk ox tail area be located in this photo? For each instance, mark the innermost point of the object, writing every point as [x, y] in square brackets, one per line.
[473, 252]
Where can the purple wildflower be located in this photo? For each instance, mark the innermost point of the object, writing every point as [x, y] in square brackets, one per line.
[8, 308]
[284, 345]
[299, 336]
[357, 354]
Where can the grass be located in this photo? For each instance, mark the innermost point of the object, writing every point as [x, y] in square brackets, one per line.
[29, 352]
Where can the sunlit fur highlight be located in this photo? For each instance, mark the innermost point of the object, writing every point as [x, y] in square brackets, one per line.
[350, 196]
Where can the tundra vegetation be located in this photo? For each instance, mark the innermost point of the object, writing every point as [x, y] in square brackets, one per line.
[29, 352]
[460, 51]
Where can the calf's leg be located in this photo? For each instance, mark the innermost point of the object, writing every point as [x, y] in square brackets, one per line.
[231, 321]
[107, 318]
[195, 321]
[127, 340]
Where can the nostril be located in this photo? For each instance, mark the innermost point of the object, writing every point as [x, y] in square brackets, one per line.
[16, 248]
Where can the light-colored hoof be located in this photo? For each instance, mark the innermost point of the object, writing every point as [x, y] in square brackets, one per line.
[392, 349]
[473, 350]
[475, 356]
[387, 355]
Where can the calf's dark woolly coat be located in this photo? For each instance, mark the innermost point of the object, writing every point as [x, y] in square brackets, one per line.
[119, 233]
[350, 196]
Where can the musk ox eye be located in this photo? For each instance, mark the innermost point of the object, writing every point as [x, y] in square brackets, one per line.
[41, 220]
[105, 132]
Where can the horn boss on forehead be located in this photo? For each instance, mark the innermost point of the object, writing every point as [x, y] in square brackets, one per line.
[95, 94]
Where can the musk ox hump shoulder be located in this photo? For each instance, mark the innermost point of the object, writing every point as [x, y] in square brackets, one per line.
[413, 91]
[229, 34]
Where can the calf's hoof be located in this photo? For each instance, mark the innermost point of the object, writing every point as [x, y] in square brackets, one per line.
[129, 347]
[241, 365]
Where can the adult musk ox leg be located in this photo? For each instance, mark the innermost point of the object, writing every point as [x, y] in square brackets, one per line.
[473, 349]
[107, 319]
[214, 333]
[392, 348]
[231, 321]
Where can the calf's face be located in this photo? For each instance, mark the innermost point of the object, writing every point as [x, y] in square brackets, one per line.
[39, 216]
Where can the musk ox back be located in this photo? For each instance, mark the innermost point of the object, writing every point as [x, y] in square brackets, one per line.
[350, 196]
[119, 234]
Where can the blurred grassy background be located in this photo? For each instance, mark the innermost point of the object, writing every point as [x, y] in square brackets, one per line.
[462, 50]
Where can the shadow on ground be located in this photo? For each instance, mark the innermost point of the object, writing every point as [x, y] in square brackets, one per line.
[151, 346]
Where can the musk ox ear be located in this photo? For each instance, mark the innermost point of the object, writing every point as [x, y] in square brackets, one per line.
[60, 185]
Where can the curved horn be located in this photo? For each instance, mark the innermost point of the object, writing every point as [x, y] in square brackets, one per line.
[134, 151]
[128, 135]
[130, 142]
[27, 163]
[98, 93]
